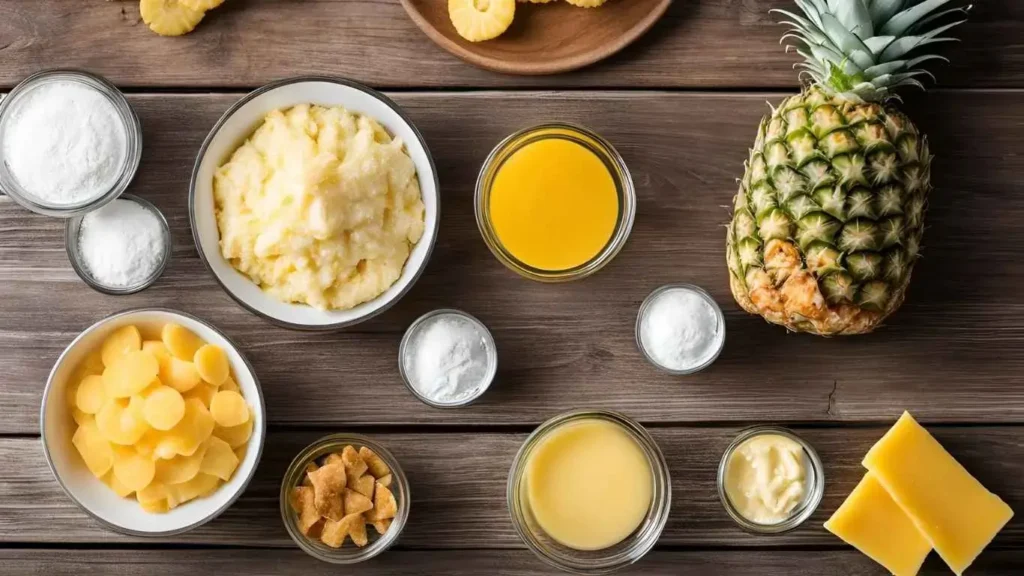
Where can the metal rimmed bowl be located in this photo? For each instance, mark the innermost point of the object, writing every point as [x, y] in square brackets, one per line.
[133, 140]
[598, 146]
[237, 124]
[618, 556]
[348, 553]
[812, 495]
[57, 426]
[72, 235]
[719, 328]
[405, 355]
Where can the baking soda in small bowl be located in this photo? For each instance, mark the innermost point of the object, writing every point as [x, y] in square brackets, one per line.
[447, 358]
[680, 329]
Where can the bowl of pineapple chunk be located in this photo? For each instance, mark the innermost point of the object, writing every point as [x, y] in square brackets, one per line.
[152, 422]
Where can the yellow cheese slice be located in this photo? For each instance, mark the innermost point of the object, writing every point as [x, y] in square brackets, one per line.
[949, 506]
[872, 522]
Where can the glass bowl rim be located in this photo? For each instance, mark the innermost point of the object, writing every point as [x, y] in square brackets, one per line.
[624, 224]
[798, 516]
[339, 556]
[642, 312]
[133, 141]
[72, 228]
[661, 499]
[492, 357]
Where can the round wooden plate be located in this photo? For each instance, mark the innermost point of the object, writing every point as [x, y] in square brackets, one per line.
[544, 38]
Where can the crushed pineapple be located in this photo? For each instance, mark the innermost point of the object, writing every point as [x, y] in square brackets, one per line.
[479, 20]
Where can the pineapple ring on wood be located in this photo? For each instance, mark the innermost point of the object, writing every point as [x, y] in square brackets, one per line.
[586, 3]
[479, 20]
[212, 364]
[169, 17]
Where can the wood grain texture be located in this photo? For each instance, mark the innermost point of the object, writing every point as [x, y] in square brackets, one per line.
[543, 39]
[699, 43]
[462, 563]
[458, 486]
[952, 353]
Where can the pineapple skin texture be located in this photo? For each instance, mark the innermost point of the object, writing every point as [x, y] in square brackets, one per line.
[827, 222]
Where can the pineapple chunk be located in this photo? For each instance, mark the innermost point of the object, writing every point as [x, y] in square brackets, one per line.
[479, 20]
[202, 5]
[169, 17]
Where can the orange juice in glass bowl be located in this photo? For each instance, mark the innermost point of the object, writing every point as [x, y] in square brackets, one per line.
[555, 202]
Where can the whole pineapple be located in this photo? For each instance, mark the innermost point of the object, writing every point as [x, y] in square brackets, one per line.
[827, 222]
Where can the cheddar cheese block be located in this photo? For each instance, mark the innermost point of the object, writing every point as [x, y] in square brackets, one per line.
[948, 505]
[872, 522]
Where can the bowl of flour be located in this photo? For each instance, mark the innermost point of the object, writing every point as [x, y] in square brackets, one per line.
[69, 143]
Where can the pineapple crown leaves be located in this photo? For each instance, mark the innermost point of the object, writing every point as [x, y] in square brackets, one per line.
[862, 48]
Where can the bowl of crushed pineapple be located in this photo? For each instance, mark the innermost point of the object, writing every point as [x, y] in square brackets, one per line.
[152, 422]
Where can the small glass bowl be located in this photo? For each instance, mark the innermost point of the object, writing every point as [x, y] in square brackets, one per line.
[72, 228]
[635, 546]
[586, 138]
[348, 553]
[133, 138]
[416, 326]
[812, 496]
[720, 344]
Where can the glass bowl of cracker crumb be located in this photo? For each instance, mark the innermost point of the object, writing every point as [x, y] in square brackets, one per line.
[332, 540]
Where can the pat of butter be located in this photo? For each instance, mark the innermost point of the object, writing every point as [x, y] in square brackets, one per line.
[872, 522]
[948, 505]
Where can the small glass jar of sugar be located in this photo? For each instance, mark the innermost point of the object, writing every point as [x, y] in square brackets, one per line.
[69, 143]
[447, 358]
[680, 329]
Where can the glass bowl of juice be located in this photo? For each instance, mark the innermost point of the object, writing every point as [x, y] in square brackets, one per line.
[555, 202]
[589, 492]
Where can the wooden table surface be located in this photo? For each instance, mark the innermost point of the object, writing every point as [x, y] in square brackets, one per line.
[681, 106]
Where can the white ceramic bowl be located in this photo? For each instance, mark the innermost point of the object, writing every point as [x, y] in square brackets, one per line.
[122, 514]
[236, 125]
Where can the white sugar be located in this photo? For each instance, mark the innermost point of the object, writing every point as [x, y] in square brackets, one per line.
[448, 359]
[680, 329]
[121, 244]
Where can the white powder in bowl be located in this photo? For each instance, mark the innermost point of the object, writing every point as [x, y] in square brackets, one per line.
[448, 359]
[64, 142]
[121, 244]
[680, 329]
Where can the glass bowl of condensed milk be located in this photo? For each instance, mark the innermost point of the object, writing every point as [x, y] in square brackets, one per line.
[781, 500]
[589, 492]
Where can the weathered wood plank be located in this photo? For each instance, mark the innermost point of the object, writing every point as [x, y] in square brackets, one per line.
[953, 353]
[712, 43]
[458, 485]
[133, 562]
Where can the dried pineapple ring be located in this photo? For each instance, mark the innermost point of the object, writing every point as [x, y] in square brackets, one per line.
[122, 341]
[586, 3]
[163, 408]
[180, 374]
[121, 423]
[91, 395]
[202, 5]
[235, 435]
[131, 374]
[94, 448]
[229, 409]
[478, 20]
[180, 341]
[133, 471]
[220, 460]
[212, 364]
[180, 468]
